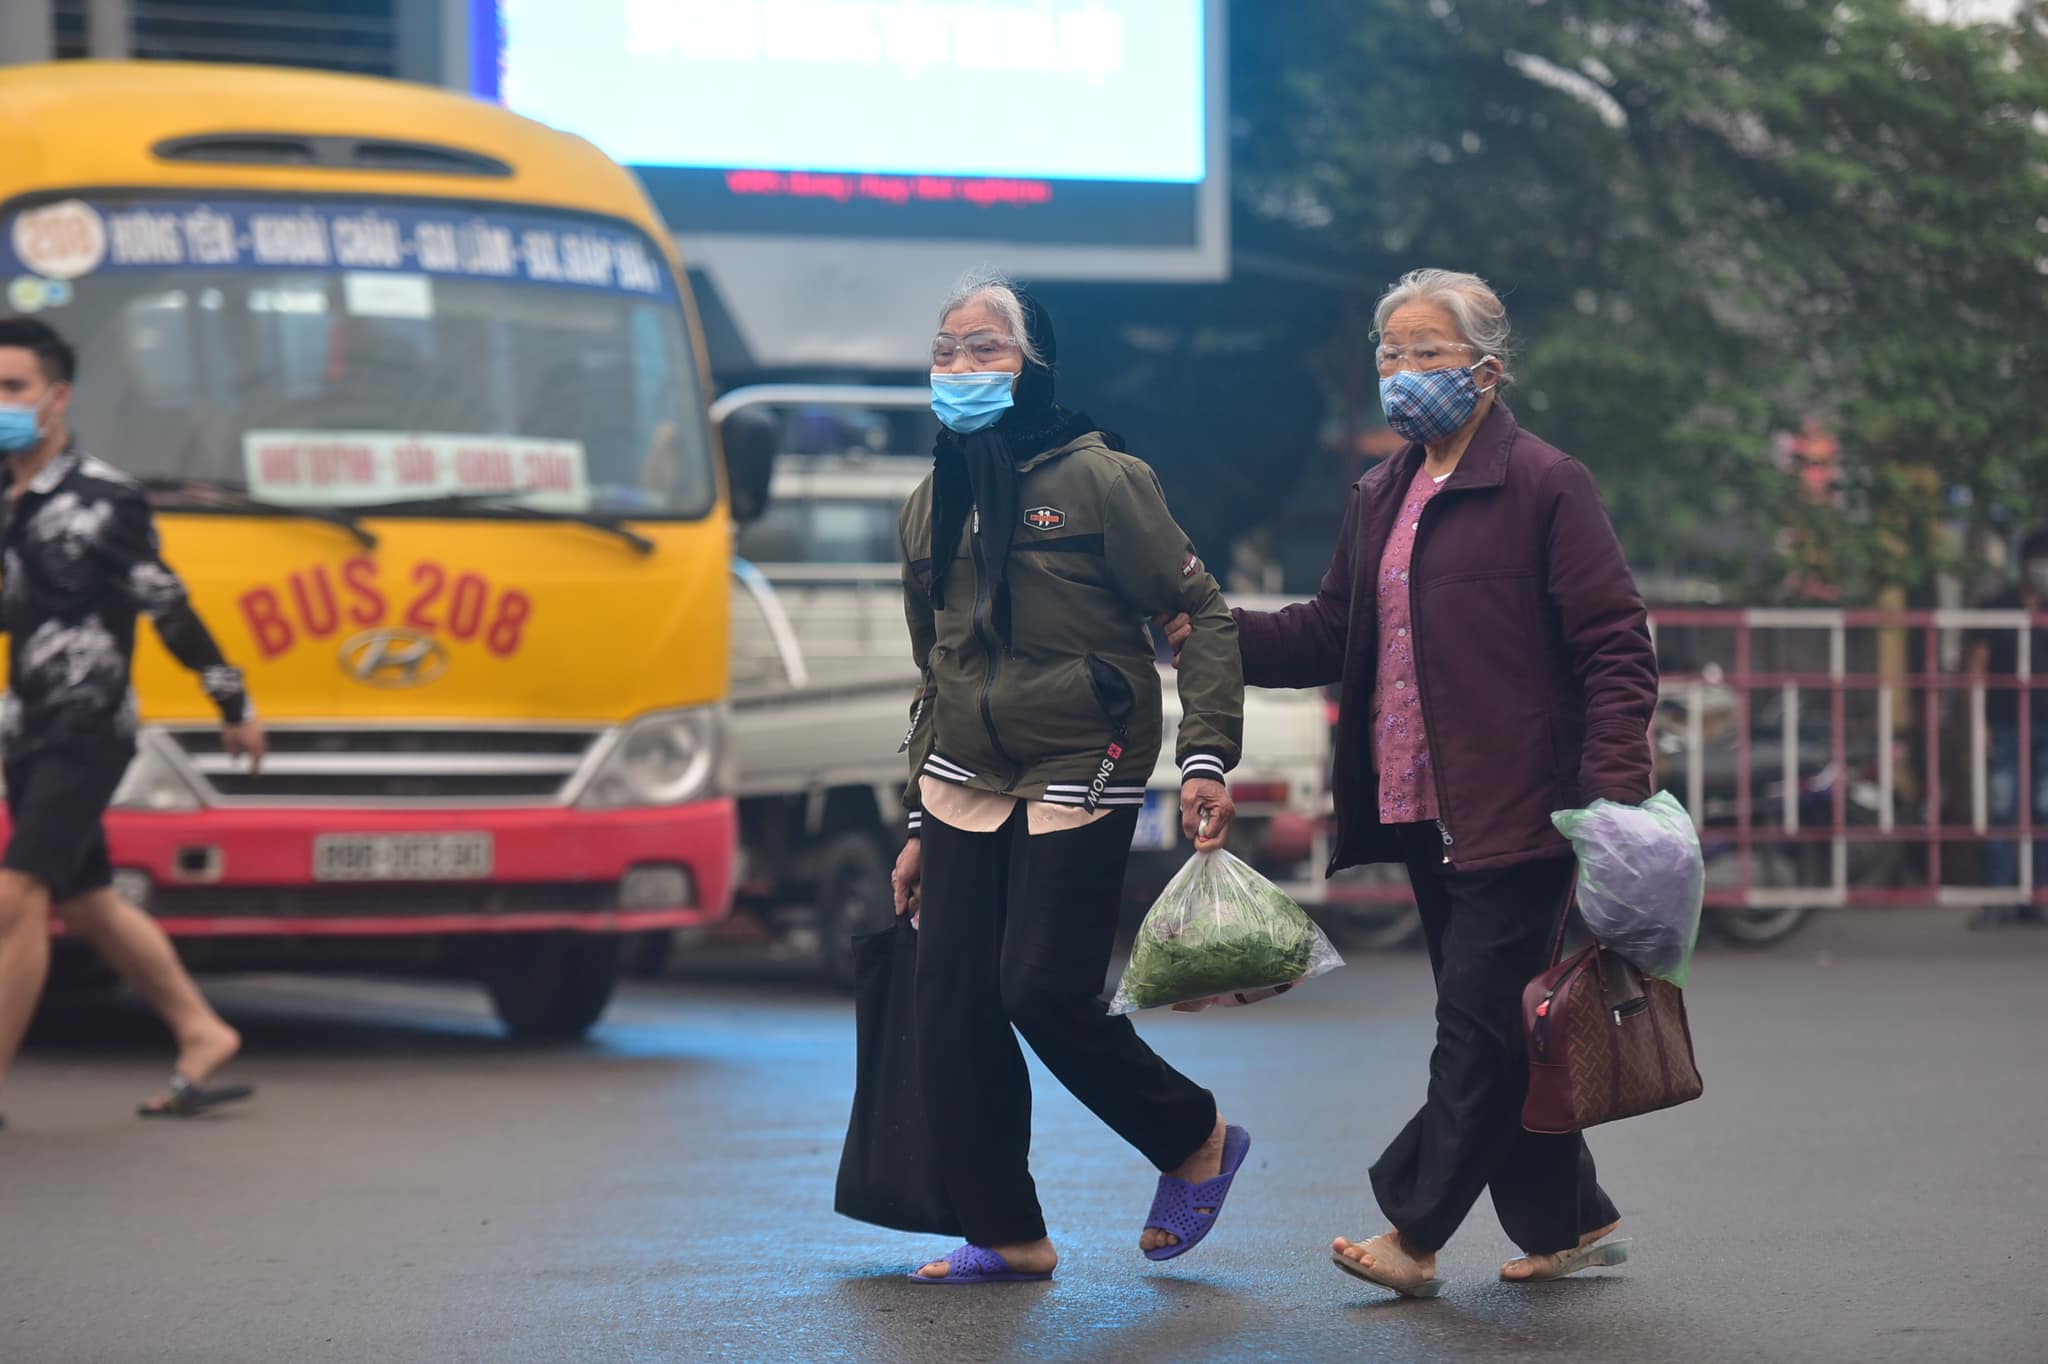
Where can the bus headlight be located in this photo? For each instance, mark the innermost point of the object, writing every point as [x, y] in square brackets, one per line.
[669, 758]
[152, 784]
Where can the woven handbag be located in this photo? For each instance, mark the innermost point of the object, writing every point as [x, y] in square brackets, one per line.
[1605, 1042]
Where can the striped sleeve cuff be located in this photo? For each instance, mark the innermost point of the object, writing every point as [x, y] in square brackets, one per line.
[916, 823]
[1201, 767]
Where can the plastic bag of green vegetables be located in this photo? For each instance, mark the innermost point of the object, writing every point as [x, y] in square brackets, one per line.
[1221, 933]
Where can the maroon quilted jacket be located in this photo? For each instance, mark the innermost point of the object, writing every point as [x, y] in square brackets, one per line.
[1538, 676]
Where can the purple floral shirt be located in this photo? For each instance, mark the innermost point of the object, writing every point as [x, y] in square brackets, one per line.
[1400, 744]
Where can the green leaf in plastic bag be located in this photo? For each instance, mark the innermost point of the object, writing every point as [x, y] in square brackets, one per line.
[1213, 933]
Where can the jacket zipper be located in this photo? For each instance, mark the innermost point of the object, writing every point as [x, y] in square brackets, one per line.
[1111, 705]
[916, 715]
[984, 634]
[1429, 729]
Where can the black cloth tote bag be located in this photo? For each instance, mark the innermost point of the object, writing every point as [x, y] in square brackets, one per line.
[886, 1174]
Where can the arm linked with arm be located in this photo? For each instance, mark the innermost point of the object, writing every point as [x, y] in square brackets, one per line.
[1157, 570]
[1606, 630]
[1303, 645]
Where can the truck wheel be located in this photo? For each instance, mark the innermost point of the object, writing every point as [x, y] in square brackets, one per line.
[554, 989]
[854, 897]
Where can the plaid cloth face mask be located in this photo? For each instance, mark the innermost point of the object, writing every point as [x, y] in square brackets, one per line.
[1429, 404]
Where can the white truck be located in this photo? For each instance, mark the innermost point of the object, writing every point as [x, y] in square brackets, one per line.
[822, 678]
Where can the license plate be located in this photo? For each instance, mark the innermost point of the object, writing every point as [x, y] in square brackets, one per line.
[401, 857]
[1158, 822]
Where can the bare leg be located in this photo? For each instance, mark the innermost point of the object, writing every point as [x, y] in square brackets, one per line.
[137, 947]
[24, 957]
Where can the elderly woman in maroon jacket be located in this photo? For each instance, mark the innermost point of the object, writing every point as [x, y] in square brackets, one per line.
[1496, 665]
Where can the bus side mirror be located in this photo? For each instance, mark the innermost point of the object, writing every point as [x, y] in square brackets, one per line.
[750, 437]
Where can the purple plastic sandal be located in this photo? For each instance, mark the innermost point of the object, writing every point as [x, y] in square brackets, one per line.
[978, 1264]
[1176, 1207]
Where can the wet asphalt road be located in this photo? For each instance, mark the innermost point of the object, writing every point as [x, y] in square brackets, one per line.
[1867, 1179]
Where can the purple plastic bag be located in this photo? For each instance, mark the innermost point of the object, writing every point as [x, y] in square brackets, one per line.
[1642, 880]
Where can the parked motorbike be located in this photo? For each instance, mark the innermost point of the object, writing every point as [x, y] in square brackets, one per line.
[1776, 863]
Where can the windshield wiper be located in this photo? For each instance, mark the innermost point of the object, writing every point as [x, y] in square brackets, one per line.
[205, 491]
[503, 504]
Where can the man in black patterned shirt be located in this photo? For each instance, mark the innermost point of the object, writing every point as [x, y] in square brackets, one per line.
[81, 562]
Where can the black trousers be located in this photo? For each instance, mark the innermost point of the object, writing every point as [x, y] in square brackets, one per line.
[1016, 931]
[56, 798]
[1488, 934]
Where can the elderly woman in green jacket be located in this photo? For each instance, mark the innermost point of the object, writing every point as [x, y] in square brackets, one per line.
[1033, 557]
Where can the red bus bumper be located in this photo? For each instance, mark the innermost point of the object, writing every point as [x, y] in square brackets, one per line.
[228, 872]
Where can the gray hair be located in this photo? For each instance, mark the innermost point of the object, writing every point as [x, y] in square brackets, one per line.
[1000, 294]
[1481, 318]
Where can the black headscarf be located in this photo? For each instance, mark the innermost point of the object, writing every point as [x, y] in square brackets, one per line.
[979, 471]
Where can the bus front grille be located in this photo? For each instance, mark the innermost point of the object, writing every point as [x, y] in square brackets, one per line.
[394, 766]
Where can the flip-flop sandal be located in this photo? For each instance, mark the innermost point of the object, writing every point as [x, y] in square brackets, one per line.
[189, 1100]
[972, 1264]
[1599, 1255]
[1176, 1207]
[1428, 1288]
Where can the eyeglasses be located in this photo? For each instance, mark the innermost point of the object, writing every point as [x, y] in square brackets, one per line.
[984, 348]
[1423, 354]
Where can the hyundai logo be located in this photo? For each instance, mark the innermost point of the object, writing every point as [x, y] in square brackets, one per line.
[394, 658]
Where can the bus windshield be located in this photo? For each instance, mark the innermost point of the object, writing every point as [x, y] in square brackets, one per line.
[392, 355]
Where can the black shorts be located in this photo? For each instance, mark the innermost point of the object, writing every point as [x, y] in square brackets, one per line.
[56, 798]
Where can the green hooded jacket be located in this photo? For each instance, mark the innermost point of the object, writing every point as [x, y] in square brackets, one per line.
[1070, 712]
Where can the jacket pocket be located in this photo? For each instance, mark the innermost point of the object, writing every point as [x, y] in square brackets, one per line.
[1119, 701]
[1114, 693]
[1056, 712]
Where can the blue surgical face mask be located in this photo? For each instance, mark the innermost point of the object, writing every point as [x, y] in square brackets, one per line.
[971, 402]
[1429, 405]
[21, 427]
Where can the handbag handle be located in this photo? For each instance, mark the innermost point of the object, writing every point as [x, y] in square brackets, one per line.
[1564, 915]
[1623, 1010]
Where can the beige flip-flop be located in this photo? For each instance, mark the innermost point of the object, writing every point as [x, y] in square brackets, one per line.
[1428, 1288]
[1599, 1255]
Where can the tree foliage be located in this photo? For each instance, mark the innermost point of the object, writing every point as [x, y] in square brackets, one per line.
[1714, 220]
